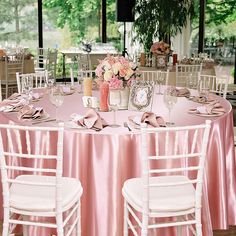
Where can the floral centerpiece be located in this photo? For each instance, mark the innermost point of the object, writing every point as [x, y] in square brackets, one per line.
[161, 51]
[118, 71]
[160, 48]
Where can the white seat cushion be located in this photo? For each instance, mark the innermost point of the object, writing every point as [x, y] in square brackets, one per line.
[167, 199]
[42, 198]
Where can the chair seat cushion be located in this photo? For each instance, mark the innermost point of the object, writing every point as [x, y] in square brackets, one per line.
[42, 198]
[161, 199]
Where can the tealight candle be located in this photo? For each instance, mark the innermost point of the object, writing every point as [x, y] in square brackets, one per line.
[104, 91]
[88, 83]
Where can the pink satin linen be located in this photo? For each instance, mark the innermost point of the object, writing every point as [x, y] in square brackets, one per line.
[104, 160]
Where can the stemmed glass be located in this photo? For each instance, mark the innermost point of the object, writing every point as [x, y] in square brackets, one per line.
[56, 97]
[27, 86]
[114, 101]
[159, 80]
[170, 99]
[80, 81]
[204, 89]
[192, 81]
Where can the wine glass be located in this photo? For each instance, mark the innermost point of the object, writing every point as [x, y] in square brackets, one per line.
[80, 81]
[160, 79]
[114, 101]
[50, 82]
[192, 81]
[27, 86]
[170, 99]
[204, 89]
[56, 97]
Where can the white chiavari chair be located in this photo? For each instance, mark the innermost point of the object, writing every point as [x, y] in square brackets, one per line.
[32, 180]
[183, 72]
[84, 62]
[46, 59]
[164, 191]
[80, 75]
[155, 75]
[41, 59]
[13, 64]
[39, 78]
[218, 85]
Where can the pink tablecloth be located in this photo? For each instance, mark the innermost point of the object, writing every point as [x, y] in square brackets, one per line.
[104, 160]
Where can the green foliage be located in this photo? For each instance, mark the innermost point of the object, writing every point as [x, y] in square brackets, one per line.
[81, 16]
[160, 18]
[16, 21]
[218, 11]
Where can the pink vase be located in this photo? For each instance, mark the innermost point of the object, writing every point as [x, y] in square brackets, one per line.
[104, 91]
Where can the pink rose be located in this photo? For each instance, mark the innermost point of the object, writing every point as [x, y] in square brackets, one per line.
[115, 83]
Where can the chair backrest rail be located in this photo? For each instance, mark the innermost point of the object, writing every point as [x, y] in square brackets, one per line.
[180, 169]
[20, 155]
[30, 183]
[31, 169]
[160, 157]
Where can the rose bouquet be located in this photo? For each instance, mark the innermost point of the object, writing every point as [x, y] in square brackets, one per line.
[117, 71]
[160, 48]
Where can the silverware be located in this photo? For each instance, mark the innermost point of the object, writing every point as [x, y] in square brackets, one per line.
[43, 121]
[127, 126]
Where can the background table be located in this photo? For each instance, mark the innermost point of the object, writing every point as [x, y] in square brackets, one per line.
[172, 73]
[104, 160]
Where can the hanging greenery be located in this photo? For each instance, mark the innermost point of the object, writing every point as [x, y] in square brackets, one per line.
[160, 18]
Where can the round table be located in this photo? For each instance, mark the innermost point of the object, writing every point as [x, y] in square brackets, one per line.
[104, 160]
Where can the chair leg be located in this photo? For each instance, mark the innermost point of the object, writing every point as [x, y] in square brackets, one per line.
[78, 229]
[59, 220]
[199, 229]
[5, 230]
[144, 231]
[126, 215]
[198, 224]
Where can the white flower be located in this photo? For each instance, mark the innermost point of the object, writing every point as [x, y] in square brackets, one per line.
[116, 67]
[108, 75]
[129, 73]
[106, 65]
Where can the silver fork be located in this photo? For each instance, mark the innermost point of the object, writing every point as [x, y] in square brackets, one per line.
[127, 126]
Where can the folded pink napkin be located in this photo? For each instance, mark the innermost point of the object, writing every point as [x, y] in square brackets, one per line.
[182, 92]
[36, 96]
[213, 108]
[66, 90]
[13, 104]
[30, 112]
[203, 100]
[14, 96]
[151, 119]
[91, 120]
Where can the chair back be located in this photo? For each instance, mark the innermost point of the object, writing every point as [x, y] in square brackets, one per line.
[39, 80]
[218, 85]
[41, 57]
[51, 65]
[183, 72]
[155, 76]
[186, 158]
[28, 151]
[13, 64]
[84, 62]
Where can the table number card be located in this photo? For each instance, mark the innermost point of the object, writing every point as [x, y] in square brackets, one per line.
[141, 95]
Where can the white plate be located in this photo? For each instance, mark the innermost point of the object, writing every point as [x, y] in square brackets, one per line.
[208, 115]
[73, 125]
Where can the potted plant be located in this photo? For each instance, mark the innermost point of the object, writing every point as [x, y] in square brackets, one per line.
[160, 19]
